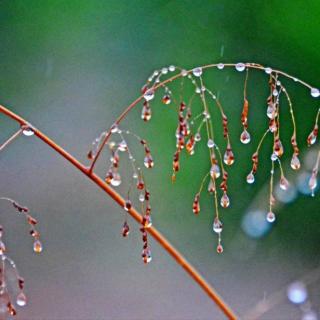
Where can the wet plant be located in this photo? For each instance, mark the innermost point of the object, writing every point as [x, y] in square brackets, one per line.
[195, 125]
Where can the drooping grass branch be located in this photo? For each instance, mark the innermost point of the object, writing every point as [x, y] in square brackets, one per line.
[187, 138]
[176, 255]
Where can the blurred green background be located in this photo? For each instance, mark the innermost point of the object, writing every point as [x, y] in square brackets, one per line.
[70, 67]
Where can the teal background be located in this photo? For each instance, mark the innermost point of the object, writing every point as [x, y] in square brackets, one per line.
[70, 67]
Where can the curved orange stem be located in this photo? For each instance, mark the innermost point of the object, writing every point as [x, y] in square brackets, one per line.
[177, 256]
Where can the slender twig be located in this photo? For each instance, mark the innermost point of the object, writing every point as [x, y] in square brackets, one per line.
[14, 136]
[177, 256]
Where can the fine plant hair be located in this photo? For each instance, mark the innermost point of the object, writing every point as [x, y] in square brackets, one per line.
[193, 127]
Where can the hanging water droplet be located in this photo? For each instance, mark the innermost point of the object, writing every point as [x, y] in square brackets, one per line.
[215, 171]
[250, 178]
[312, 137]
[116, 179]
[146, 112]
[127, 205]
[196, 204]
[225, 201]
[295, 162]
[210, 143]
[122, 146]
[220, 66]
[313, 182]
[125, 229]
[271, 217]
[166, 99]
[2, 248]
[197, 72]
[211, 187]
[141, 197]
[172, 68]
[219, 248]
[37, 246]
[184, 72]
[146, 255]
[148, 161]
[197, 137]
[240, 66]
[147, 221]
[217, 225]
[28, 132]
[149, 95]
[11, 310]
[114, 128]
[21, 299]
[245, 137]
[228, 157]
[268, 70]
[274, 157]
[164, 70]
[315, 92]
[271, 111]
[284, 183]
[275, 92]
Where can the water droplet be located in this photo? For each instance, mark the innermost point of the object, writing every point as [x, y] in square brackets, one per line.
[146, 255]
[210, 143]
[116, 179]
[245, 137]
[309, 315]
[2, 248]
[166, 99]
[228, 157]
[313, 182]
[240, 66]
[268, 70]
[197, 72]
[271, 217]
[220, 66]
[148, 161]
[149, 95]
[141, 197]
[11, 310]
[225, 202]
[312, 137]
[164, 70]
[271, 111]
[21, 299]
[217, 225]
[125, 229]
[211, 187]
[250, 178]
[215, 171]
[315, 92]
[284, 183]
[122, 146]
[197, 137]
[297, 292]
[28, 132]
[114, 128]
[219, 248]
[196, 204]
[184, 72]
[275, 92]
[274, 157]
[37, 246]
[172, 68]
[146, 112]
[147, 221]
[127, 205]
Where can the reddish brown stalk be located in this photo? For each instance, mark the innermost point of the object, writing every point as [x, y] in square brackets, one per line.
[177, 256]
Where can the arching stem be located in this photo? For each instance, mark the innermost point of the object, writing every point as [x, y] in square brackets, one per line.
[176, 255]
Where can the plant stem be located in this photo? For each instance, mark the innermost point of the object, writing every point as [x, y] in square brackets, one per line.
[248, 65]
[176, 255]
